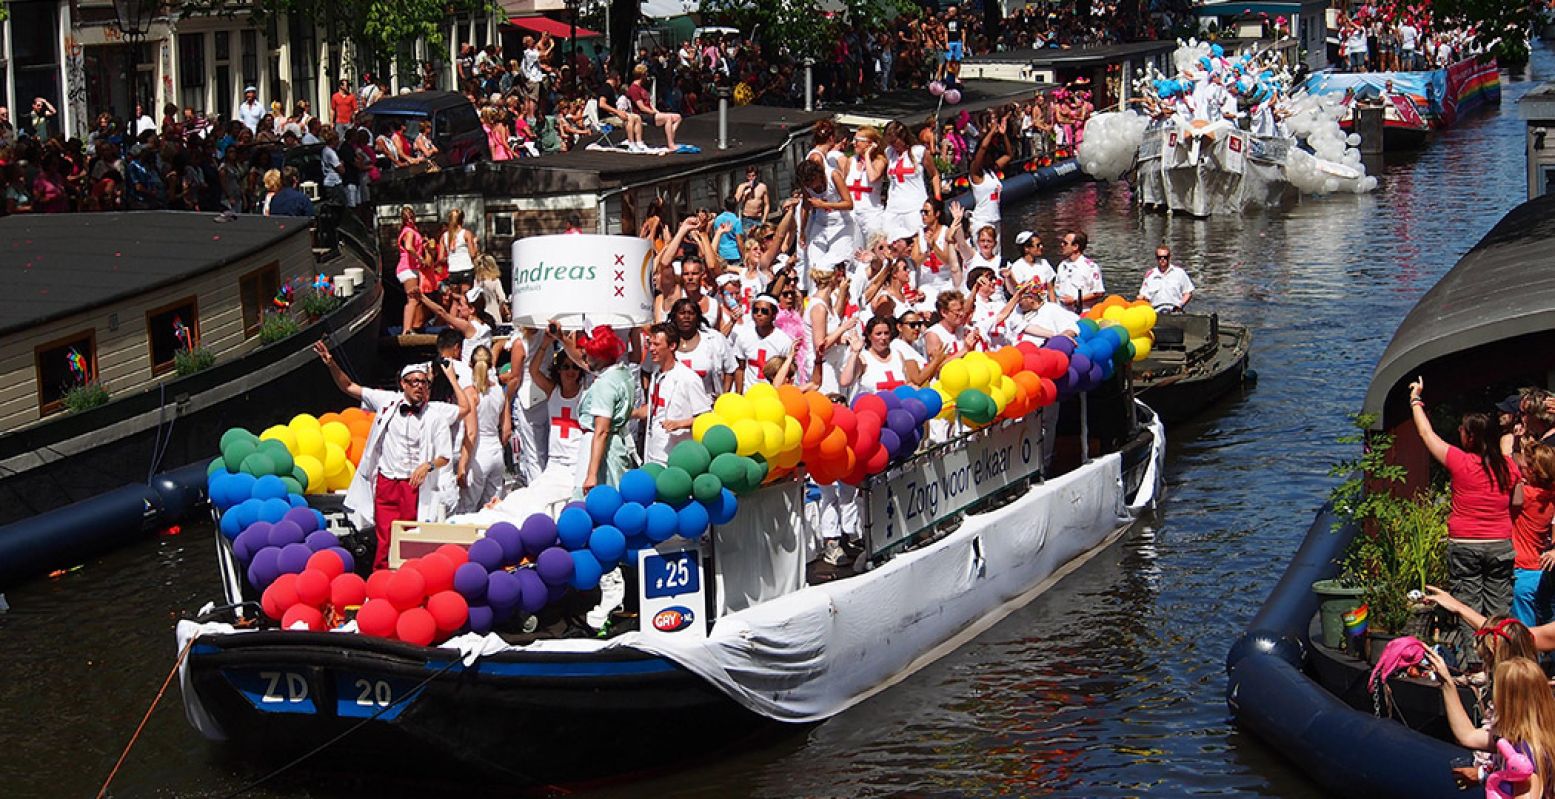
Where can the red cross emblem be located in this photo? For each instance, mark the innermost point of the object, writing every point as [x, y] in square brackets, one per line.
[858, 189]
[993, 198]
[760, 361]
[620, 260]
[687, 363]
[1235, 144]
[889, 382]
[903, 169]
[933, 262]
[565, 423]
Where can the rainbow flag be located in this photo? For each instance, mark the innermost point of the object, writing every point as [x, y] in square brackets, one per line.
[1355, 622]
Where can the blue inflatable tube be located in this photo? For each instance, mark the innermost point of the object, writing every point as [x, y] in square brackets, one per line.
[1019, 187]
[1349, 752]
[70, 535]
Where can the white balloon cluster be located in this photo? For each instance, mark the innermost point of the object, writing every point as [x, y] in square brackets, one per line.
[1186, 56]
[1334, 164]
[1111, 141]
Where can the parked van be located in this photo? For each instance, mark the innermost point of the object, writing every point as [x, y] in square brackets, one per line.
[456, 129]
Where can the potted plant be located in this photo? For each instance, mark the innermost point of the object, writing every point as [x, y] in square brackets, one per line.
[316, 303]
[189, 360]
[277, 326]
[85, 396]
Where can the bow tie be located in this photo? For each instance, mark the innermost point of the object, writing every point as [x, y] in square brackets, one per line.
[406, 409]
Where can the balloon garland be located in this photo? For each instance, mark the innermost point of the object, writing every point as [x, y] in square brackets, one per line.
[744, 442]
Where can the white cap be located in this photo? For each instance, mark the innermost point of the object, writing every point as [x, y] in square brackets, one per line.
[473, 294]
[247, 89]
[727, 278]
[412, 368]
[1024, 236]
[768, 299]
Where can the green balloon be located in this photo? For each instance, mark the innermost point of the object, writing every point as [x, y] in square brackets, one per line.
[292, 485]
[691, 456]
[720, 440]
[281, 455]
[755, 472]
[674, 485]
[217, 464]
[653, 469]
[706, 487]
[235, 452]
[729, 468]
[259, 464]
[237, 434]
[299, 476]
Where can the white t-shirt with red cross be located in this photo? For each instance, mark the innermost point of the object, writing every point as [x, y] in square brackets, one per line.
[881, 375]
[676, 394]
[565, 432]
[711, 359]
[754, 349]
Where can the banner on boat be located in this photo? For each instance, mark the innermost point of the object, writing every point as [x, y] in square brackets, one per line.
[936, 485]
[582, 280]
[1150, 147]
[672, 597]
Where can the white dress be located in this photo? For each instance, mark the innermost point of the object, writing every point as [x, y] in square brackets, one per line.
[880, 375]
[867, 211]
[829, 236]
[986, 197]
[907, 190]
[834, 357]
[934, 274]
[459, 259]
[487, 471]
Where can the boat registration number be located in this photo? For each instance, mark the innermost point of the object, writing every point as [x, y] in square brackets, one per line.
[362, 696]
[274, 691]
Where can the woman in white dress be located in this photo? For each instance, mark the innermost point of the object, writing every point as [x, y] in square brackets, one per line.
[485, 471]
[827, 326]
[909, 173]
[864, 179]
[993, 155]
[935, 251]
[875, 363]
[828, 227]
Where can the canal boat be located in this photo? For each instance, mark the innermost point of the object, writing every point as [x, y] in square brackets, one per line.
[1481, 332]
[1194, 362]
[1415, 104]
[159, 314]
[958, 537]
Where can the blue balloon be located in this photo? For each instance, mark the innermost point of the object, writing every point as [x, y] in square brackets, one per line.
[662, 523]
[230, 527]
[247, 511]
[602, 503]
[318, 518]
[269, 487]
[931, 400]
[906, 391]
[273, 510]
[631, 519]
[586, 570]
[638, 486]
[298, 501]
[692, 520]
[240, 487]
[634, 543]
[727, 505]
[216, 488]
[608, 544]
[573, 528]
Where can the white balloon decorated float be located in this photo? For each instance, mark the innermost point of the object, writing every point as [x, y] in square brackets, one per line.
[1206, 166]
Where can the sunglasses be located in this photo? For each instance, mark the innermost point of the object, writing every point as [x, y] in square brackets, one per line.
[790, 295]
[762, 309]
[926, 211]
[417, 381]
[1163, 257]
[916, 323]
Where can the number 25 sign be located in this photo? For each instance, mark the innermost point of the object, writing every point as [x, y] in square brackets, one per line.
[672, 602]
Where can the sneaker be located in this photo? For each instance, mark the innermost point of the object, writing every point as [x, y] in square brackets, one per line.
[832, 553]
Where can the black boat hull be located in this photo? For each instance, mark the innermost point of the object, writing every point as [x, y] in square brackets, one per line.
[1177, 395]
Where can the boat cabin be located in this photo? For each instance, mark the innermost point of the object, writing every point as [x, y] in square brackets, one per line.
[1108, 70]
[1306, 22]
[1538, 111]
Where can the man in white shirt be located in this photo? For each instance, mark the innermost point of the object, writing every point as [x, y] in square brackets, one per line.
[1030, 268]
[675, 397]
[251, 111]
[1078, 281]
[409, 443]
[1166, 285]
[759, 341]
[1408, 37]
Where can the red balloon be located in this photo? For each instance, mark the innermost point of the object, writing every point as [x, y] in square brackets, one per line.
[347, 590]
[1027, 348]
[868, 433]
[378, 584]
[313, 587]
[869, 403]
[406, 589]
[307, 614]
[327, 562]
[845, 420]
[876, 462]
[438, 571]
[858, 472]
[1049, 392]
[1031, 361]
[280, 596]
[377, 617]
[456, 554]
[416, 626]
[449, 610]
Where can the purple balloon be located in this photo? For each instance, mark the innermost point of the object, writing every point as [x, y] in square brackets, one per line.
[919, 411]
[1079, 363]
[534, 593]
[265, 568]
[900, 422]
[1063, 344]
[320, 540]
[577, 503]
[1068, 384]
[537, 534]
[502, 590]
[470, 581]
[284, 532]
[506, 535]
[554, 566]
[1096, 376]
[294, 558]
[554, 593]
[481, 619]
[487, 553]
[890, 440]
[250, 541]
[892, 402]
[346, 559]
[304, 518]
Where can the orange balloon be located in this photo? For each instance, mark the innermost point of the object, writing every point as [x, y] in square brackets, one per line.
[331, 417]
[833, 444]
[820, 406]
[1010, 360]
[794, 403]
[358, 446]
[1029, 382]
[814, 433]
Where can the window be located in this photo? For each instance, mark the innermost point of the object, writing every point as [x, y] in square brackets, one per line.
[63, 365]
[304, 51]
[191, 70]
[170, 329]
[257, 289]
[251, 58]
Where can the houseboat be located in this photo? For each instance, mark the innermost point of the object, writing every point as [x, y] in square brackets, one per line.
[1414, 104]
[128, 340]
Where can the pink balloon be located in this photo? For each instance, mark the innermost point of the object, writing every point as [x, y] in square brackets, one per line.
[952, 96]
[936, 88]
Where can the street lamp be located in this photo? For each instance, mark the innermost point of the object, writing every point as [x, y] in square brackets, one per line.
[134, 20]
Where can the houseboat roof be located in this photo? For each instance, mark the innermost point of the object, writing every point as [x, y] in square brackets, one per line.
[1273, 8]
[916, 105]
[1077, 56]
[1503, 288]
[60, 264]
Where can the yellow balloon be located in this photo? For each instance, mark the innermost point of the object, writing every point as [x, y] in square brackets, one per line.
[338, 434]
[315, 471]
[341, 480]
[283, 434]
[1114, 314]
[733, 407]
[303, 420]
[1134, 319]
[1142, 346]
[748, 435]
[995, 371]
[762, 391]
[1150, 318]
[953, 376]
[975, 356]
[769, 409]
[789, 458]
[793, 434]
[947, 404]
[772, 440]
[704, 423]
[310, 441]
[976, 375]
[334, 459]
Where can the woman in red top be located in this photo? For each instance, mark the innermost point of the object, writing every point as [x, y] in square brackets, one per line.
[1479, 528]
[1533, 596]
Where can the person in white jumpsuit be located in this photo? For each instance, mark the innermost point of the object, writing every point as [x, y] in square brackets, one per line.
[485, 474]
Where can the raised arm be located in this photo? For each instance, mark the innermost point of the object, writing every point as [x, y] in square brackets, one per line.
[462, 325]
[1433, 442]
[342, 381]
[667, 255]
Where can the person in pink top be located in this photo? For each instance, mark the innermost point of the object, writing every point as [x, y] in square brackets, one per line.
[1479, 528]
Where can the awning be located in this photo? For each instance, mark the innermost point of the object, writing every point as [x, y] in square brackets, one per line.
[560, 30]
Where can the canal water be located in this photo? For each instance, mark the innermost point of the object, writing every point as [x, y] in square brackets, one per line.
[1110, 684]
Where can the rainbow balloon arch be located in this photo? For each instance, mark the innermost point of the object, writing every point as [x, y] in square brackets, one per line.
[307, 580]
